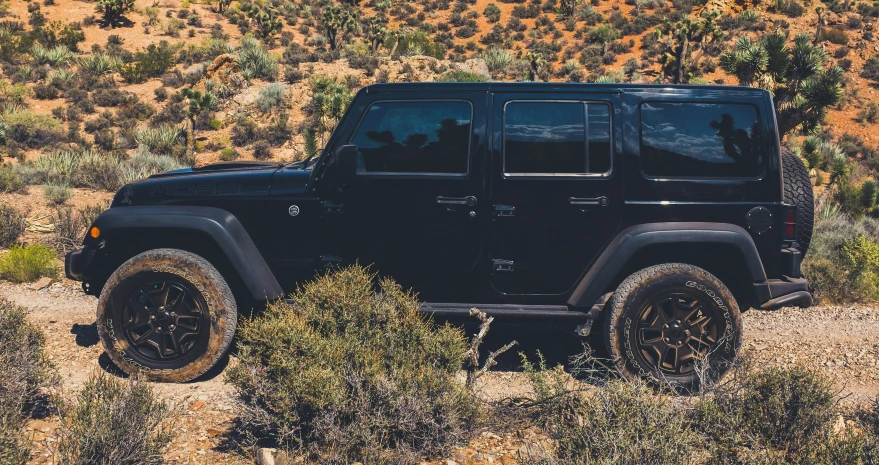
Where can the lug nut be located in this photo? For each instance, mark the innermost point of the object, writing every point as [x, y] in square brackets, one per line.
[665, 326]
[667, 340]
[687, 332]
[173, 315]
[159, 328]
[152, 317]
[171, 327]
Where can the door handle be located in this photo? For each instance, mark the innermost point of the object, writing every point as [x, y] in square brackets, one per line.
[588, 202]
[468, 201]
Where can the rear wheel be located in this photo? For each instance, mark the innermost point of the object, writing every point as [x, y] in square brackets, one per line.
[673, 323]
[166, 315]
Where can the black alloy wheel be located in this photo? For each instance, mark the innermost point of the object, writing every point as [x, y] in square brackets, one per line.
[675, 331]
[163, 319]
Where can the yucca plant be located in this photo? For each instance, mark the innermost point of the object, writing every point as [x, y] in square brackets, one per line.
[496, 59]
[162, 140]
[98, 64]
[54, 56]
[802, 86]
[255, 61]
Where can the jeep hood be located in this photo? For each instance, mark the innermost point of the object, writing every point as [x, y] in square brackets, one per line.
[207, 184]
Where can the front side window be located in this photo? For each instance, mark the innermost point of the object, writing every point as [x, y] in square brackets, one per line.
[415, 137]
[556, 138]
[701, 140]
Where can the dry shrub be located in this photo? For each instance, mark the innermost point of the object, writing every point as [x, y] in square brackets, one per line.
[115, 422]
[779, 415]
[12, 225]
[24, 370]
[352, 373]
[772, 416]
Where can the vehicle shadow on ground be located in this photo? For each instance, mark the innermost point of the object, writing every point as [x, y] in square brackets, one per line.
[86, 335]
[109, 367]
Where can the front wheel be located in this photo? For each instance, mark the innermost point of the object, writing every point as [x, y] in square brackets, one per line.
[673, 324]
[166, 315]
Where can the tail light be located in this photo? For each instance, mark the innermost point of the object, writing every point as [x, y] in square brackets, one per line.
[789, 223]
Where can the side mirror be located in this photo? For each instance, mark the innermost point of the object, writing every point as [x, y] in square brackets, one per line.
[346, 161]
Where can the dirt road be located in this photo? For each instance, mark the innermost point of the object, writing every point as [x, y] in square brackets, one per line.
[842, 341]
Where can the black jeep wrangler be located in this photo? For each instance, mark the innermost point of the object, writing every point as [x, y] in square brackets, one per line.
[648, 215]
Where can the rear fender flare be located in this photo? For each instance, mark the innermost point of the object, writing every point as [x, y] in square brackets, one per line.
[617, 254]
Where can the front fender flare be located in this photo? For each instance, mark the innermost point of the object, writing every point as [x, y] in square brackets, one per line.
[617, 254]
[220, 225]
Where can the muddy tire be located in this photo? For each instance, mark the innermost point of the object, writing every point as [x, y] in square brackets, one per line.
[665, 321]
[798, 191]
[166, 315]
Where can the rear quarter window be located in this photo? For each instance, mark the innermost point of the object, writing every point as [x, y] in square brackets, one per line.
[701, 140]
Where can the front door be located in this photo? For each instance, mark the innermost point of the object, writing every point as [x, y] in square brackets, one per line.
[415, 210]
[556, 191]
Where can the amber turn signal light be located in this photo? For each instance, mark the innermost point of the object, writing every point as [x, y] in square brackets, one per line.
[94, 232]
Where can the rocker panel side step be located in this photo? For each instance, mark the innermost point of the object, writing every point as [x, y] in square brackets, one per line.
[503, 310]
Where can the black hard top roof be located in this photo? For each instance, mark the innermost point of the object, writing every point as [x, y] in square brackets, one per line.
[553, 87]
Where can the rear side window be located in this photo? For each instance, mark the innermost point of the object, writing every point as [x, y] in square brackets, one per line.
[699, 140]
[556, 138]
[415, 137]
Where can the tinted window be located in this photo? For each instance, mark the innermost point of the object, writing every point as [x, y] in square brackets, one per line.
[700, 140]
[556, 138]
[414, 137]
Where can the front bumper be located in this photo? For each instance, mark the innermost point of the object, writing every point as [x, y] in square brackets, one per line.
[785, 292]
[77, 262]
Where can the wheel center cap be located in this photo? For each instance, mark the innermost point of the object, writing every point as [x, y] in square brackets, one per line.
[675, 331]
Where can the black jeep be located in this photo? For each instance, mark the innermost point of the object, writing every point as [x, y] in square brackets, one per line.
[648, 215]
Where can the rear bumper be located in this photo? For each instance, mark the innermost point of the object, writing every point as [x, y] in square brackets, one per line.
[785, 292]
[77, 262]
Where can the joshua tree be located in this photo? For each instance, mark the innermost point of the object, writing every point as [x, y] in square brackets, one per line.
[819, 26]
[337, 23]
[682, 39]
[568, 7]
[114, 10]
[604, 35]
[267, 23]
[198, 104]
[222, 5]
[802, 86]
[538, 63]
[377, 33]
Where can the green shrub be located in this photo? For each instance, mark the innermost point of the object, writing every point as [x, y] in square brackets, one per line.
[57, 194]
[114, 10]
[492, 13]
[12, 225]
[163, 140]
[144, 164]
[871, 69]
[25, 127]
[869, 114]
[115, 422]
[10, 180]
[270, 97]
[152, 62]
[24, 370]
[496, 59]
[351, 374]
[417, 42]
[842, 264]
[460, 76]
[228, 154]
[22, 264]
[835, 36]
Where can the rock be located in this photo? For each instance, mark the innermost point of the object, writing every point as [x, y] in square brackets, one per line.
[475, 66]
[196, 405]
[451, 462]
[265, 456]
[41, 284]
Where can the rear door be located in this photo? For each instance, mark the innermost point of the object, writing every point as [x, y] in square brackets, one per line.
[415, 210]
[555, 191]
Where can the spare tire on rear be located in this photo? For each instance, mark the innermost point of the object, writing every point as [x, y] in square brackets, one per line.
[798, 191]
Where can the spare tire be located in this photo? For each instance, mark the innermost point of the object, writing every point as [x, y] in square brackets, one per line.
[798, 191]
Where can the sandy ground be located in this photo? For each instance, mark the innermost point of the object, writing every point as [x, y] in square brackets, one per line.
[842, 341]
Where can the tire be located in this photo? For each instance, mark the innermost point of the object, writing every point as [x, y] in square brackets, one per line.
[798, 191]
[186, 323]
[672, 307]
